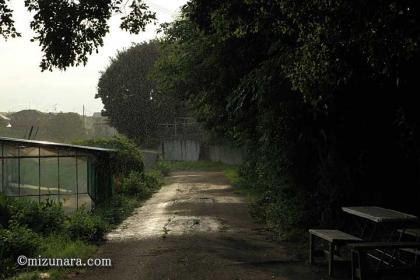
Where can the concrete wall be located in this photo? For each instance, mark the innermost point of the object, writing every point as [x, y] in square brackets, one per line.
[192, 150]
[181, 150]
[225, 154]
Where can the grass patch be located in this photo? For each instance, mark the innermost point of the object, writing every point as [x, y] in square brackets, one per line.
[233, 176]
[51, 274]
[59, 246]
[240, 185]
[169, 166]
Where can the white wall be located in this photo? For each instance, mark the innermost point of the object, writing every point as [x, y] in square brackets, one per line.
[181, 150]
[225, 154]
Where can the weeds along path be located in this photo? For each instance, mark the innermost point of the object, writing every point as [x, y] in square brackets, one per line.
[195, 227]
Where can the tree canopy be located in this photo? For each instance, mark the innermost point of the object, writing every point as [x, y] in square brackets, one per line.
[68, 31]
[319, 91]
[131, 101]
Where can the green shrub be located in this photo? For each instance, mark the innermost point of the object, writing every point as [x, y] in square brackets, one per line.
[153, 179]
[141, 185]
[18, 240]
[134, 185]
[115, 209]
[42, 217]
[164, 168]
[286, 211]
[128, 156]
[85, 226]
[4, 211]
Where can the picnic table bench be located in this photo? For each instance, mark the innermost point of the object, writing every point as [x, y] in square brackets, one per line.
[335, 238]
[413, 232]
[376, 224]
[361, 269]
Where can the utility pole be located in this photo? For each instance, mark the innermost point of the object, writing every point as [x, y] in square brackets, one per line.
[83, 117]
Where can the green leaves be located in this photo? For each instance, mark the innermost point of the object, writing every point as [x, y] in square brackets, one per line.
[83, 225]
[7, 28]
[69, 31]
[130, 97]
[138, 17]
[128, 156]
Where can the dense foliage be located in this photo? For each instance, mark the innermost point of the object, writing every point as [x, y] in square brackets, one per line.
[130, 98]
[140, 185]
[69, 31]
[126, 158]
[319, 92]
[81, 225]
[34, 228]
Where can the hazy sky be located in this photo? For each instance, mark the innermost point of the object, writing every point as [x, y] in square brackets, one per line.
[24, 86]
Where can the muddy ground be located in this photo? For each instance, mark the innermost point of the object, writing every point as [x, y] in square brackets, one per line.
[197, 227]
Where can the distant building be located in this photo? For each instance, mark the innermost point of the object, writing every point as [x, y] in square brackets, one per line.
[3, 116]
[4, 120]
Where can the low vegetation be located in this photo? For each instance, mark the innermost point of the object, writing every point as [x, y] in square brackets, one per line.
[127, 158]
[168, 166]
[33, 228]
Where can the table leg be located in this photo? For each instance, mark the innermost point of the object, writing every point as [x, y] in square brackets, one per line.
[362, 265]
[311, 248]
[354, 262]
[331, 259]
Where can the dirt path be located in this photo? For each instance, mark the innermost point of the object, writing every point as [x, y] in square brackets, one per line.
[196, 227]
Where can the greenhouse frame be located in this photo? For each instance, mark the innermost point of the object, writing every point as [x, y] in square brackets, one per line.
[76, 176]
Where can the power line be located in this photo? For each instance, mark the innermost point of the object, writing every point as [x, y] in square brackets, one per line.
[160, 8]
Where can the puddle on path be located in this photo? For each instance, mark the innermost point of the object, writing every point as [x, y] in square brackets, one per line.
[155, 218]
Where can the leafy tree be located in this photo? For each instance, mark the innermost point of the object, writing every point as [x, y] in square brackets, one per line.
[130, 98]
[318, 90]
[68, 31]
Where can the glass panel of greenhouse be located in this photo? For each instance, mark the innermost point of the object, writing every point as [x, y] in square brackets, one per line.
[45, 171]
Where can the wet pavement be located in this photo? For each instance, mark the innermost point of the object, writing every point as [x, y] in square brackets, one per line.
[197, 227]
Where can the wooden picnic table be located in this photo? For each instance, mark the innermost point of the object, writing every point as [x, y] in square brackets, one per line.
[380, 215]
[387, 219]
[383, 224]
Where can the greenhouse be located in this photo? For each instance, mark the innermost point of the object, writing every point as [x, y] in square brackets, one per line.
[76, 176]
